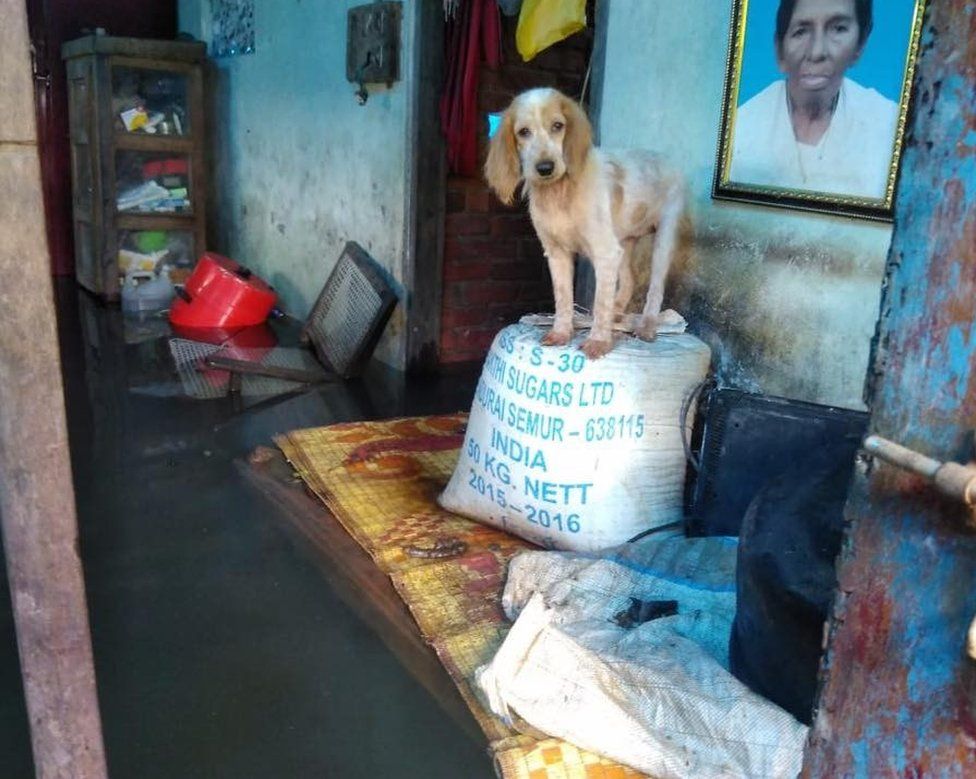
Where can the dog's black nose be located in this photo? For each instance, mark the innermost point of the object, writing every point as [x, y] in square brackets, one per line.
[545, 168]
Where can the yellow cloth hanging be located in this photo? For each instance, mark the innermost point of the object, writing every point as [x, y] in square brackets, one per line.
[545, 22]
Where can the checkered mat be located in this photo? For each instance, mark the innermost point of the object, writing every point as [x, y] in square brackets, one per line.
[381, 481]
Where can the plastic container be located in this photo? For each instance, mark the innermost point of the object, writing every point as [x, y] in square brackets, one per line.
[147, 241]
[222, 293]
[145, 293]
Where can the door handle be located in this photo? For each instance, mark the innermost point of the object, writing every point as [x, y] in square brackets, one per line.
[951, 479]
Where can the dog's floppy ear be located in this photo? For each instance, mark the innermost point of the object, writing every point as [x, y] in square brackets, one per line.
[502, 168]
[579, 135]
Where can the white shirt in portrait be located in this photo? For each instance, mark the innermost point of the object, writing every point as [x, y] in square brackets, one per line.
[852, 158]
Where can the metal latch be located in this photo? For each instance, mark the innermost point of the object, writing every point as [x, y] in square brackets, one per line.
[951, 479]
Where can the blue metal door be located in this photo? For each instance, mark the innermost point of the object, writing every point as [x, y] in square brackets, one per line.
[898, 688]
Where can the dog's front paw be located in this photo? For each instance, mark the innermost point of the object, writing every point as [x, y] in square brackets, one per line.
[647, 328]
[595, 349]
[557, 337]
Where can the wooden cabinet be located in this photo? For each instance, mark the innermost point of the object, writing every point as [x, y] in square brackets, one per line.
[137, 156]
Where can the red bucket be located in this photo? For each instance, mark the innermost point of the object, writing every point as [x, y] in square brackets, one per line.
[222, 293]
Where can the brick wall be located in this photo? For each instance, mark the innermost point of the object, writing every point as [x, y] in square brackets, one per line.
[494, 271]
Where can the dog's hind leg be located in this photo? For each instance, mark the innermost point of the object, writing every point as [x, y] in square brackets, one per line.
[665, 243]
[561, 271]
[625, 280]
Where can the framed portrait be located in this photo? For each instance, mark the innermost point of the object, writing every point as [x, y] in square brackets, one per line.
[816, 98]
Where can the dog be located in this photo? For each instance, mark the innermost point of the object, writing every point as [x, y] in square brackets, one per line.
[586, 200]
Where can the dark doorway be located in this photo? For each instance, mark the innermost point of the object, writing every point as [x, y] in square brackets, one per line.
[52, 22]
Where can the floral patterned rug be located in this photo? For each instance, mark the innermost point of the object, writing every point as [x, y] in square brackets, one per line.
[381, 481]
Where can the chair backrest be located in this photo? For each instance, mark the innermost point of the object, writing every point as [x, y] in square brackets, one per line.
[351, 311]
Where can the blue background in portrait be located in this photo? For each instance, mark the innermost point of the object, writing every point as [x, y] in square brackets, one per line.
[881, 66]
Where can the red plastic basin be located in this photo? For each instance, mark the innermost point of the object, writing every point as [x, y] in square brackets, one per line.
[222, 293]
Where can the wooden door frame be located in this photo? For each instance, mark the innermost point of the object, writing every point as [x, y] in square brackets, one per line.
[37, 502]
[426, 188]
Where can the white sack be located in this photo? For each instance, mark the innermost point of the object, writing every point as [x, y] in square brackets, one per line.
[572, 453]
[657, 697]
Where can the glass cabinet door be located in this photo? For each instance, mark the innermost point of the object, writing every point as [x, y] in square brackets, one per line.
[152, 182]
[150, 102]
[150, 250]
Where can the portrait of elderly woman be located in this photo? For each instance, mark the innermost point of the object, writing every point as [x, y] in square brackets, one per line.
[806, 119]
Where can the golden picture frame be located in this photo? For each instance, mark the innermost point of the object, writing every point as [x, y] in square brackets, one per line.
[815, 104]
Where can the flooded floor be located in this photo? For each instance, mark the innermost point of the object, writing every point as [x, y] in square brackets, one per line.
[220, 650]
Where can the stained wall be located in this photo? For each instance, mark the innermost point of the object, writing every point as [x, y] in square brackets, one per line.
[298, 167]
[787, 299]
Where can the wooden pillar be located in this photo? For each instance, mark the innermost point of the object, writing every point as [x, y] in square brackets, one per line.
[426, 187]
[37, 505]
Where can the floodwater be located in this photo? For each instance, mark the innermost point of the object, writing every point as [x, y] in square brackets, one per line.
[220, 650]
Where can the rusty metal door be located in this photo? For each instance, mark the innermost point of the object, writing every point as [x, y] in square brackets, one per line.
[898, 695]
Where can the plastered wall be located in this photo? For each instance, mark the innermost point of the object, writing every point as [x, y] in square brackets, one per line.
[788, 300]
[299, 167]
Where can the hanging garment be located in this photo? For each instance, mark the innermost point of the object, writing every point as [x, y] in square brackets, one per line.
[473, 31]
[545, 22]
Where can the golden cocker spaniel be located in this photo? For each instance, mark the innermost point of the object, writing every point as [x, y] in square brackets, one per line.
[588, 201]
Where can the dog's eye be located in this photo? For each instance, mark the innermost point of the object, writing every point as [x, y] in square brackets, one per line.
[525, 132]
[557, 126]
